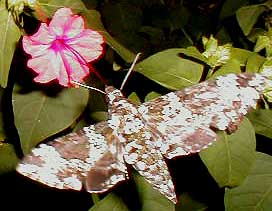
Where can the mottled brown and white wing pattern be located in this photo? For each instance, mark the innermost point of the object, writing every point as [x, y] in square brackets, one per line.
[141, 150]
[187, 119]
[92, 157]
[176, 124]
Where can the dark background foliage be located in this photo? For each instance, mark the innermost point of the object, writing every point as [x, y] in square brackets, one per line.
[131, 26]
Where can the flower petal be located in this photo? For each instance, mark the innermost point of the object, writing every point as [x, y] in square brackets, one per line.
[59, 21]
[76, 69]
[38, 42]
[88, 44]
[74, 27]
[65, 24]
[49, 67]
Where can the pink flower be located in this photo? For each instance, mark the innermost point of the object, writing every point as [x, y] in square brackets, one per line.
[63, 49]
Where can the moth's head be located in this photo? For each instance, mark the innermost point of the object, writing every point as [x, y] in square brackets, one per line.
[112, 94]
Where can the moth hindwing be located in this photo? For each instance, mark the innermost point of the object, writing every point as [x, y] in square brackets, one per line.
[176, 124]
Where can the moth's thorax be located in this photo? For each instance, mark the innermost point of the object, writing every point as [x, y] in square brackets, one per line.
[112, 94]
[124, 116]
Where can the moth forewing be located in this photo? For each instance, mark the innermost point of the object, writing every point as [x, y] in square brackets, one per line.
[68, 162]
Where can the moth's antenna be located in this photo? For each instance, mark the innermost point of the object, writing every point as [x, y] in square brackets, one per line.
[130, 70]
[88, 87]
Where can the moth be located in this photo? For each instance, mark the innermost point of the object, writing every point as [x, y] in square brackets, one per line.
[176, 124]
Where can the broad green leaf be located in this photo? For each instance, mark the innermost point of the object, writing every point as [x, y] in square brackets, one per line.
[247, 16]
[9, 36]
[230, 7]
[247, 58]
[241, 55]
[254, 63]
[194, 53]
[110, 203]
[255, 193]
[124, 19]
[38, 116]
[187, 203]
[232, 66]
[8, 158]
[170, 70]
[262, 121]
[230, 159]
[151, 96]
[46, 8]
[179, 16]
[151, 199]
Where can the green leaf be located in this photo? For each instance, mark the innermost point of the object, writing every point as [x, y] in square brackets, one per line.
[262, 121]
[99, 116]
[187, 203]
[230, 158]
[124, 19]
[255, 193]
[254, 63]
[232, 66]
[151, 96]
[110, 203]
[262, 42]
[248, 16]
[134, 98]
[240, 54]
[38, 116]
[151, 199]
[170, 70]
[9, 36]
[48, 7]
[255, 33]
[230, 7]
[251, 60]
[8, 158]
[179, 16]
[194, 53]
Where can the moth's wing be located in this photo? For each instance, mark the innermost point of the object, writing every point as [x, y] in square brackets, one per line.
[91, 157]
[110, 169]
[145, 157]
[186, 119]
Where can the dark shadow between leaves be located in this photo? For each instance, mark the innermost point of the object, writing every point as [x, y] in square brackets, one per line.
[191, 175]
